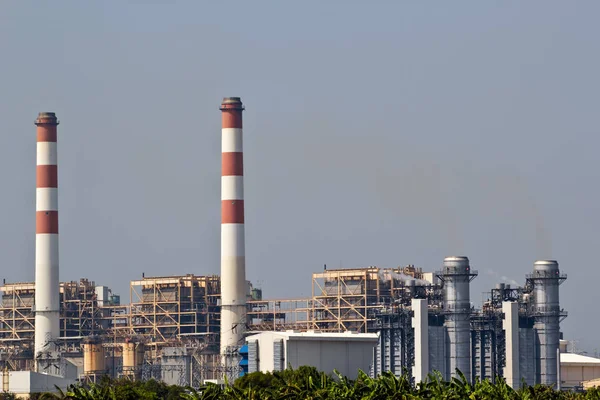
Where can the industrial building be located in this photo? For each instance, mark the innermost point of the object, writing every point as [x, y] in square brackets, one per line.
[515, 334]
[420, 319]
[168, 308]
[346, 352]
[190, 328]
[579, 371]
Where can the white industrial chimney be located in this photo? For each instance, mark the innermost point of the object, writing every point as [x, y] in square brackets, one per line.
[47, 307]
[233, 260]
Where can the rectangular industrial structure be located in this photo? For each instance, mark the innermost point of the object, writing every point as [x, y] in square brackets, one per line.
[168, 308]
[346, 352]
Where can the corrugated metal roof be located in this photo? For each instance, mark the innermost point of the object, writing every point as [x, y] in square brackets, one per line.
[573, 358]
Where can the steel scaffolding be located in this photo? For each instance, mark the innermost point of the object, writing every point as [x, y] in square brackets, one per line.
[16, 314]
[80, 312]
[488, 345]
[81, 315]
[169, 308]
[348, 299]
[278, 315]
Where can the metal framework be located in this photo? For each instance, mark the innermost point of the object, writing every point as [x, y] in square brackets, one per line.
[197, 367]
[16, 314]
[169, 308]
[343, 300]
[278, 315]
[488, 344]
[348, 299]
[80, 312]
[395, 351]
[184, 311]
[117, 321]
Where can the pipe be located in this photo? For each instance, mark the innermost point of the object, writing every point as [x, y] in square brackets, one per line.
[558, 377]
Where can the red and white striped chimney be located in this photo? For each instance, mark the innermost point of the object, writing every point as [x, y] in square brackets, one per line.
[233, 253]
[47, 307]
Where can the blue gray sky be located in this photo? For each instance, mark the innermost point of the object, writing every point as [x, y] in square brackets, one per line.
[376, 133]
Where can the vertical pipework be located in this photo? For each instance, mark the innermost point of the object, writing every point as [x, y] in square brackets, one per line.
[546, 279]
[233, 256]
[457, 275]
[558, 372]
[47, 307]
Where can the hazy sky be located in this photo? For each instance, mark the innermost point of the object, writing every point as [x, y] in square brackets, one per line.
[376, 133]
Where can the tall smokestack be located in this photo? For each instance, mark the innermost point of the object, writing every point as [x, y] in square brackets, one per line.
[457, 275]
[47, 306]
[546, 279]
[233, 253]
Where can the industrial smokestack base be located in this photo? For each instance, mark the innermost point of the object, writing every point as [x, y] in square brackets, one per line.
[233, 252]
[47, 289]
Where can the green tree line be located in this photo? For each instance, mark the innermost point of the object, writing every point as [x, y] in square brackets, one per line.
[308, 383]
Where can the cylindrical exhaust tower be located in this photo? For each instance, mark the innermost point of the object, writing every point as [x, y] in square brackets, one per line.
[47, 307]
[545, 280]
[456, 276]
[233, 253]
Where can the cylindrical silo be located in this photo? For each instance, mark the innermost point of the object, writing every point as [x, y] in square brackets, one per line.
[546, 279]
[133, 358]
[456, 276]
[93, 358]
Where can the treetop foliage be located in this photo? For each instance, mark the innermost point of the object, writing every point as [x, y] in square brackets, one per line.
[308, 383]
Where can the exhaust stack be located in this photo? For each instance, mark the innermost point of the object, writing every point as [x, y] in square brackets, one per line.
[546, 279]
[457, 276]
[233, 253]
[47, 307]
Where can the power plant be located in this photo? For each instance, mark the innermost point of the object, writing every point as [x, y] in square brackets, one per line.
[189, 329]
